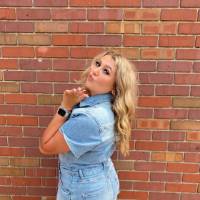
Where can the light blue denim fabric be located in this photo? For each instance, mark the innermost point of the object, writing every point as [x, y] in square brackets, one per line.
[87, 172]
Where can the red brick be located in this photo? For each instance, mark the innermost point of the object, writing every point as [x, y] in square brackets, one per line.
[158, 3]
[177, 41]
[125, 175]
[182, 167]
[172, 90]
[20, 76]
[10, 109]
[33, 64]
[194, 114]
[149, 166]
[70, 40]
[192, 4]
[57, 27]
[55, 52]
[191, 178]
[68, 14]
[154, 101]
[19, 27]
[122, 3]
[45, 88]
[168, 136]
[157, 54]
[71, 64]
[8, 63]
[142, 14]
[53, 77]
[197, 42]
[18, 52]
[16, 3]
[149, 41]
[186, 147]
[180, 187]
[156, 78]
[11, 131]
[147, 186]
[38, 110]
[164, 196]
[195, 91]
[105, 14]
[159, 28]
[8, 87]
[146, 66]
[86, 27]
[189, 28]
[104, 40]
[196, 67]
[20, 99]
[187, 79]
[23, 142]
[7, 13]
[33, 14]
[165, 177]
[50, 3]
[146, 90]
[193, 136]
[177, 66]
[170, 114]
[133, 195]
[179, 14]
[24, 181]
[192, 157]
[82, 52]
[11, 151]
[89, 3]
[188, 54]
[152, 124]
[150, 146]
[22, 120]
[190, 196]
[144, 113]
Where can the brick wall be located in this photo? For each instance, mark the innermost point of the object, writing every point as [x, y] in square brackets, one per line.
[46, 44]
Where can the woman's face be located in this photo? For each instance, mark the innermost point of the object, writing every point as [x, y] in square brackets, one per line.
[101, 76]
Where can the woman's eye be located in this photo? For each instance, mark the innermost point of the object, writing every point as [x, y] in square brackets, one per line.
[106, 71]
[98, 63]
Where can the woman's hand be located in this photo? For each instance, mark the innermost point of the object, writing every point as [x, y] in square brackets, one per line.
[72, 97]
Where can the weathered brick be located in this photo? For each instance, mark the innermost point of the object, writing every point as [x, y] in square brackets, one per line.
[159, 28]
[185, 125]
[157, 54]
[142, 14]
[8, 39]
[49, 99]
[152, 124]
[184, 102]
[51, 27]
[34, 39]
[167, 156]
[11, 171]
[24, 162]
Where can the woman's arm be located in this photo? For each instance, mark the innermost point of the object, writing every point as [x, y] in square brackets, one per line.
[52, 141]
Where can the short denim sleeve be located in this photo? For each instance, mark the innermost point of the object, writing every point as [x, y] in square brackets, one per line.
[81, 133]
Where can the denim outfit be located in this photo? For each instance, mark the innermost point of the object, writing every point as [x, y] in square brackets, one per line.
[86, 172]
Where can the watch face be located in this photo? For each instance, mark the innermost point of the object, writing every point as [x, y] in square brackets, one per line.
[61, 112]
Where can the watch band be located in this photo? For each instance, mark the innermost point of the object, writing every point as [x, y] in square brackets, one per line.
[63, 112]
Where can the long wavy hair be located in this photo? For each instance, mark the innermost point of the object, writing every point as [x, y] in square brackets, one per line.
[125, 97]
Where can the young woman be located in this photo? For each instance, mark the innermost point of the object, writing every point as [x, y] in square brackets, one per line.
[88, 125]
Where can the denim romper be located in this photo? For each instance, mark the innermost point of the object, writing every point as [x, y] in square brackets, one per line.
[86, 172]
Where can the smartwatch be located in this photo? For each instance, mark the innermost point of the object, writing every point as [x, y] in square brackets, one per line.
[63, 112]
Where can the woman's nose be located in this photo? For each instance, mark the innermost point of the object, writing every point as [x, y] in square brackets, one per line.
[96, 71]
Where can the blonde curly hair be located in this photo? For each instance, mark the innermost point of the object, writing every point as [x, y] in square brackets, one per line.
[125, 97]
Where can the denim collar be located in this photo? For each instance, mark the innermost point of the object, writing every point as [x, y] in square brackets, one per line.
[96, 99]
